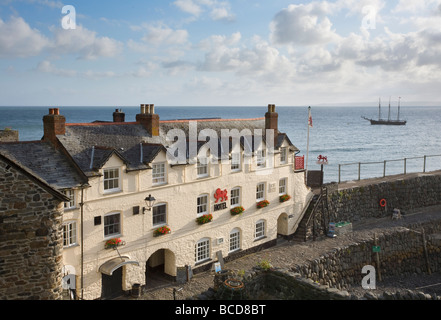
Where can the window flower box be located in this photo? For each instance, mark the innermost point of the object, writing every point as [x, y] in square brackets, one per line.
[284, 198]
[237, 210]
[262, 204]
[206, 218]
[161, 231]
[113, 243]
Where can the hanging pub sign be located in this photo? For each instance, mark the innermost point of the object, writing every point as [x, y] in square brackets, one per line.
[222, 196]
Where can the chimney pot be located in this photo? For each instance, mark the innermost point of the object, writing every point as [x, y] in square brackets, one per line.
[51, 110]
[152, 109]
[56, 111]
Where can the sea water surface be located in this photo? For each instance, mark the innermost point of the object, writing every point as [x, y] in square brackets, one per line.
[339, 133]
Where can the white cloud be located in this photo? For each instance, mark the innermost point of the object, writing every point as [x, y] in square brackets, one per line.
[303, 25]
[84, 43]
[218, 10]
[18, 39]
[159, 35]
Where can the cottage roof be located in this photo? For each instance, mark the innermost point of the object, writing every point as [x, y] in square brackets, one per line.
[92, 144]
[44, 162]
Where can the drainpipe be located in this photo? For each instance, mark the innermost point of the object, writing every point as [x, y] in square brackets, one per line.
[82, 242]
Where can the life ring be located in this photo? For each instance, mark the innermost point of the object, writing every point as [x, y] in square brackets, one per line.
[383, 202]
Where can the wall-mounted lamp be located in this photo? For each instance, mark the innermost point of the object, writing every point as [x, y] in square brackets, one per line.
[150, 201]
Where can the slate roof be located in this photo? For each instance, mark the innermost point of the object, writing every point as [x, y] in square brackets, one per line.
[88, 146]
[92, 144]
[45, 163]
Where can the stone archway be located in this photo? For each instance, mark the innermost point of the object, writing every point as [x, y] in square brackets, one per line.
[160, 267]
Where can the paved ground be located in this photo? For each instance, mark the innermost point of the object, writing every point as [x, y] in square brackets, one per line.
[290, 253]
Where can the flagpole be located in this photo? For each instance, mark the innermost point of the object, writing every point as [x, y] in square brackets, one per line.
[307, 144]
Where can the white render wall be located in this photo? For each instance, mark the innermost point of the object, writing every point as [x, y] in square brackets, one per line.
[180, 194]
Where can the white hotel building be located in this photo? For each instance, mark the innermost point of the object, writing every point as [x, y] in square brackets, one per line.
[115, 166]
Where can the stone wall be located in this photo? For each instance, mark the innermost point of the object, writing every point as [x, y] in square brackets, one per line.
[363, 202]
[402, 253]
[8, 135]
[31, 238]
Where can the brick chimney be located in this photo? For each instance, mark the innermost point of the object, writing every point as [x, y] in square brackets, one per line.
[54, 124]
[271, 118]
[119, 116]
[149, 119]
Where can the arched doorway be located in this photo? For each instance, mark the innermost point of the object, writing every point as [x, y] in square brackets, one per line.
[112, 276]
[282, 225]
[160, 268]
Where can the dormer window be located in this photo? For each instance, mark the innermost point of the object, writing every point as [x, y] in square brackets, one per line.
[202, 168]
[158, 175]
[111, 180]
[235, 162]
[283, 155]
[260, 160]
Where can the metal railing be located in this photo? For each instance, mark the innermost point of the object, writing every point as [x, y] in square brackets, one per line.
[384, 163]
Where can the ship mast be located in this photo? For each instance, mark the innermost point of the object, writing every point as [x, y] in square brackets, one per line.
[379, 108]
[388, 117]
[399, 98]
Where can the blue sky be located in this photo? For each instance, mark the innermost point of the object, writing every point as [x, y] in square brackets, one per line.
[219, 52]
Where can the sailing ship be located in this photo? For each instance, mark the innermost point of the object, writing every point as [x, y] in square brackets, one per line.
[389, 121]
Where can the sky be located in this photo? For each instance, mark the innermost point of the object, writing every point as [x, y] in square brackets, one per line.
[219, 52]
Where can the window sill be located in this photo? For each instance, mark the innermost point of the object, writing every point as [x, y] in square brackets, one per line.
[203, 262]
[160, 184]
[202, 177]
[260, 238]
[110, 192]
[71, 246]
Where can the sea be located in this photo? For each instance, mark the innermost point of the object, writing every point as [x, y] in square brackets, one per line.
[354, 148]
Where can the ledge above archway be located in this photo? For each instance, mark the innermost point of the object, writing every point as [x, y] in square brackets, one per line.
[113, 264]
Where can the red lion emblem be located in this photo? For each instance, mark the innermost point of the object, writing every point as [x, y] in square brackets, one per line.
[219, 194]
[322, 158]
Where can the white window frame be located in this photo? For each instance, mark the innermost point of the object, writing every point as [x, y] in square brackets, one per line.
[283, 184]
[234, 244]
[283, 155]
[164, 215]
[235, 199]
[111, 180]
[261, 158]
[202, 250]
[159, 173]
[202, 205]
[259, 230]
[70, 193]
[235, 162]
[202, 167]
[69, 234]
[106, 226]
[260, 189]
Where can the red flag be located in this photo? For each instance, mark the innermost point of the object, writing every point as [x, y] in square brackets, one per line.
[309, 117]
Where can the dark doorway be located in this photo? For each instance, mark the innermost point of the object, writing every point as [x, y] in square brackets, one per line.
[112, 285]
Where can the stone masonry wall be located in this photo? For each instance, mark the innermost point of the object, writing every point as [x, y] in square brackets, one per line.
[31, 239]
[402, 253]
[363, 202]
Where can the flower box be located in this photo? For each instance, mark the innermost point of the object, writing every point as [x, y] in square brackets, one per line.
[262, 204]
[284, 198]
[237, 210]
[161, 231]
[113, 243]
[206, 218]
